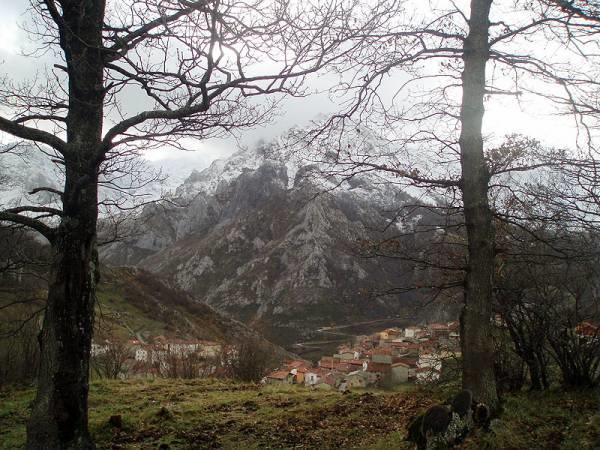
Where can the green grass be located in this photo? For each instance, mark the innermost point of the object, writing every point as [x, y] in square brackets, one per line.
[215, 413]
[112, 311]
[545, 420]
[209, 413]
[14, 411]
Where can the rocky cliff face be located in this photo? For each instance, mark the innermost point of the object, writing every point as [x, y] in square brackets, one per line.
[257, 239]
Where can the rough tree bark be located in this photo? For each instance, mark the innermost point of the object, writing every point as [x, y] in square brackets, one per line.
[415, 123]
[106, 52]
[476, 341]
[59, 417]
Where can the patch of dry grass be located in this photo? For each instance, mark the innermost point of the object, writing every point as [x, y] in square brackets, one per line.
[186, 414]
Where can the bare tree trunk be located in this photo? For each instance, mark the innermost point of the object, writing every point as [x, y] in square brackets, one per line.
[543, 371]
[534, 372]
[476, 333]
[59, 418]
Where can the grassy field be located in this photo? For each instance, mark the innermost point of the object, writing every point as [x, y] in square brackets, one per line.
[545, 420]
[198, 414]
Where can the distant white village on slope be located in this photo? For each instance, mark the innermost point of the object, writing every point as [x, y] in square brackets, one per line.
[416, 354]
[392, 356]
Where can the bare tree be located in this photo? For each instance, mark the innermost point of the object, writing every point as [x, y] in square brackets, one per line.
[194, 365]
[23, 260]
[197, 67]
[425, 130]
[547, 258]
[110, 360]
[183, 364]
[546, 296]
[246, 361]
[23, 267]
[19, 349]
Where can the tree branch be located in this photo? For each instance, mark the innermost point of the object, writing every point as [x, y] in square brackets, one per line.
[47, 189]
[37, 209]
[31, 134]
[46, 231]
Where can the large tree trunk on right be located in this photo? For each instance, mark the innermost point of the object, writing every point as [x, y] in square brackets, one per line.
[476, 333]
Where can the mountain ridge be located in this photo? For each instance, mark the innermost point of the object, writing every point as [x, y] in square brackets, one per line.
[260, 240]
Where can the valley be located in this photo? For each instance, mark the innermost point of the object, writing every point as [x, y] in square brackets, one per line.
[262, 238]
[325, 340]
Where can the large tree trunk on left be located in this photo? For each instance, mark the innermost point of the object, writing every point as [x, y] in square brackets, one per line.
[59, 418]
[476, 333]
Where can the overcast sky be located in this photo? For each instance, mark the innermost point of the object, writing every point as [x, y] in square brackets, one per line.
[296, 111]
[501, 118]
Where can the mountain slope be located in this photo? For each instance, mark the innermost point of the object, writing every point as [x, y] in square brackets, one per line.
[131, 304]
[272, 251]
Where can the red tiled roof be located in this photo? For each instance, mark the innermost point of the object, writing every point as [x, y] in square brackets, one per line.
[378, 367]
[325, 374]
[407, 345]
[587, 329]
[382, 351]
[279, 374]
[295, 363]
[355, 362]
[344, 367]
[328, 361]
[454, 325]
[411, 362]
[329, 358]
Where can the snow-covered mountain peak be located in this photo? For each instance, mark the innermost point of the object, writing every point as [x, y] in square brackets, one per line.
[380, 189]
[23, 169]
[225, 170]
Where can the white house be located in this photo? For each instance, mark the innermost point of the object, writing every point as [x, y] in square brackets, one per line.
[411, 332]
[311, 378]
[142, 354]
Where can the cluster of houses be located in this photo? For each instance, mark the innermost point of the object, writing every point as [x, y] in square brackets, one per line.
[421, 354]
[418, 354]
[162, 346]
[156, 357]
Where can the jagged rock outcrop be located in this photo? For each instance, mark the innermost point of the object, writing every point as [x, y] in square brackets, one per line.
[260, 240]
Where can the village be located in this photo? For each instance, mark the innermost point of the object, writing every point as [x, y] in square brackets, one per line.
[419, 354]
[167, 357]
[415, 354]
